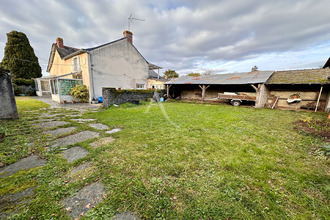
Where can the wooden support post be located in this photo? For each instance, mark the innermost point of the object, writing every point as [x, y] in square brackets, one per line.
[318, 99]
[204, 88]
[255, 88]
[168, 91]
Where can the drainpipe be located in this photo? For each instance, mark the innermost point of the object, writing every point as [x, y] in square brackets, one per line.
[91, 77]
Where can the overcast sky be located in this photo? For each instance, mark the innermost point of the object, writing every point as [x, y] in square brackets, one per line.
[187, 36]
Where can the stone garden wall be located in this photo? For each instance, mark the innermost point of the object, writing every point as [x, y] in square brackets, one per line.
[112, 96]
[8, 107]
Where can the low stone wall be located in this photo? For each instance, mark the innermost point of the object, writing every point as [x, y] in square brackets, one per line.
[8, 107]
[112, 96]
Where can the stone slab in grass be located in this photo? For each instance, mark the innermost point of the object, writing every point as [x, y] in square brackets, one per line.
[74, 153]
[125, 216]
[60, 131]
[99, 126]
[17, 200]
[24, 164]
[102, 142]
[84, 200]
[82, 120]
[75, 138]
[115, 130]
[47, 115]
[51, 124]
[44, 120]
[81, 167]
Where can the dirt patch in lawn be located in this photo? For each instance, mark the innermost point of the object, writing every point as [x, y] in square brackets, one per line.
[315, 127]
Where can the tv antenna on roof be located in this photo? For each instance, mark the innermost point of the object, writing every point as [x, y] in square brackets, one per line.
[130, 20]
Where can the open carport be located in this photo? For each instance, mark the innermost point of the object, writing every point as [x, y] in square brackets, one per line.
[207, 87]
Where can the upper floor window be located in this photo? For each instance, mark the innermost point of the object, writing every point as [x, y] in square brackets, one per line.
[75, 64]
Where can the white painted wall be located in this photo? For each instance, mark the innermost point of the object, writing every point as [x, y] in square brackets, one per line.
[118, 65]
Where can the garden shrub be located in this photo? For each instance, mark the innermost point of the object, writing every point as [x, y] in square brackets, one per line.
[80, 92]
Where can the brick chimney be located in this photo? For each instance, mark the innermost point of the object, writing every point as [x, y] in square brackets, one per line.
[129, 36]
[59, 42]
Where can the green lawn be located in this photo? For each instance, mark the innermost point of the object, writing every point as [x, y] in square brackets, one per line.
[220, 162]
[24, 103]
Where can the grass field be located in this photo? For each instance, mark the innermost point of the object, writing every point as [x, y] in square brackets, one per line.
[221, 162]
[28, 104]
[209, 162]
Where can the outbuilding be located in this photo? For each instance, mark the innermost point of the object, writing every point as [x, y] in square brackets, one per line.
[300, 89]
[207, 87]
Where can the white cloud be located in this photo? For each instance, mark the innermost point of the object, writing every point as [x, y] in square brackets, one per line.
[182, 35]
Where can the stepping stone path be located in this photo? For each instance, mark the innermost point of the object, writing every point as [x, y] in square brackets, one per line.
[84, 200]
[60, 131]
[87, 197]
[75, 138]
[18, 200]
[47, 115]
[81, 172]
[83, 120]
[102, 142]
[115, 130]
[83, 166]
[51, 124]
[125, 216]
[24, 164]
[74, 153]
[99, 126]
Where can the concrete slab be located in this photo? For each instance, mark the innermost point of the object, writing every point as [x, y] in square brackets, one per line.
[125, 216]
[75, 138]
[47, 115]
[74, 153]
[51, 124]
[84, 200]
[17, 200]
[60, 131]
[82, 120]
[99, 126]
[102, 142]
[115, 130]
[24, 164]
[80, 168]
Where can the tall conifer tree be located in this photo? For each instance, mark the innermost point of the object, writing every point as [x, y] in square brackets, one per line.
[19, 57]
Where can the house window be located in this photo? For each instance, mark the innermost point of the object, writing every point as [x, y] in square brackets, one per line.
[139, 86]
[75, 64]
[53, 85]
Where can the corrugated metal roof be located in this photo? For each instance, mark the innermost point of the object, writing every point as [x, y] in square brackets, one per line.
[311, 76]
[225, 79]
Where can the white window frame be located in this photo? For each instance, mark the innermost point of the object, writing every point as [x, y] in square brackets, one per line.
[76, 64]
[140, 86]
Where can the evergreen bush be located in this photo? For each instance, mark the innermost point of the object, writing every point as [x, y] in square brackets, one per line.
[80, 92]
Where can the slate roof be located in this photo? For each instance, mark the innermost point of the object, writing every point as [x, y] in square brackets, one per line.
[63, 52]
[311, 76]
[225, 79]
[153, 75]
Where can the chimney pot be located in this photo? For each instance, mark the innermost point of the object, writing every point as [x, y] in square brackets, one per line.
[129, 36]
[59, 42]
